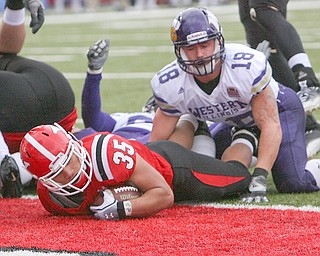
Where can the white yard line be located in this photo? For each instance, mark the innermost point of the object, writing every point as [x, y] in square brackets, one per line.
[281, 207]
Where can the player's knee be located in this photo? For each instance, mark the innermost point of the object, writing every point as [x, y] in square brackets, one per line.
[266, 16]
[247, 136]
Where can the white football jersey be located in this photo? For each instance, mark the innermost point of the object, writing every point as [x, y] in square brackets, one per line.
[244, 73]
[138, 120]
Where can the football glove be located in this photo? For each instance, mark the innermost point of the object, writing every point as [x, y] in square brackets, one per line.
[98, 54]
[265, 48]
[36, 8]
[257, 188]
[108, 210]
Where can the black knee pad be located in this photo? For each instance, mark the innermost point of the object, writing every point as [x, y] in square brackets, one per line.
[249, 136]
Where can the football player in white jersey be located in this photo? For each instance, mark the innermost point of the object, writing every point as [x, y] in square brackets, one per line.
[233, 84]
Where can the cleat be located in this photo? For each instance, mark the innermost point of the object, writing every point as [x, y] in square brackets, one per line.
[150, 106]
[10, 178]
[310, 98]
[310, 87]
[313, 142]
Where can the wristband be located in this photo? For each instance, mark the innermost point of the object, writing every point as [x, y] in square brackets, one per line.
[13, 17]
[15, 4]
[124, 209]
[260, 171]
[94, 72]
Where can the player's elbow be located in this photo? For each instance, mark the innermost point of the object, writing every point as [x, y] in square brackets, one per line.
[167, 199]
[170, 199]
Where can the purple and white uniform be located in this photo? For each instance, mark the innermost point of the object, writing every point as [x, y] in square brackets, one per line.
[135, 126]
[245, 73]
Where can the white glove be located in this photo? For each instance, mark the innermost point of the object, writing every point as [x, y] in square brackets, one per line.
[108, 210]
[98, 54]
[257, 188]
[36, 9]
[265, 48]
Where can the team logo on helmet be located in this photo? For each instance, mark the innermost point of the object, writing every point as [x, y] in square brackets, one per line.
[173, 34]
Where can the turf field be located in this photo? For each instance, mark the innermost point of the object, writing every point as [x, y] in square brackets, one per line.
[140, 46]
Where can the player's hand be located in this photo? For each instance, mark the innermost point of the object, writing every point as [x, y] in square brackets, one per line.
[265, 48]
[257, 188]
[108, 210]
[98, 54]
[36, 9]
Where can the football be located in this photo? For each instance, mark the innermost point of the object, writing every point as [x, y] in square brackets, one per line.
[120, 193]
[123, 193]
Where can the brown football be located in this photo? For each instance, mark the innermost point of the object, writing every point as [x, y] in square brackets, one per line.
[123, 193]
[120, 193]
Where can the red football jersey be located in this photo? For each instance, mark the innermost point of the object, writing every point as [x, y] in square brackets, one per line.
[113, 162]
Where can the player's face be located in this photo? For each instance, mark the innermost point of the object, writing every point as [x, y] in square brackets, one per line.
[199, 51]
[69, 171]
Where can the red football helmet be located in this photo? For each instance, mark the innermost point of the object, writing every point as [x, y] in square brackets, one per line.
[46, 150]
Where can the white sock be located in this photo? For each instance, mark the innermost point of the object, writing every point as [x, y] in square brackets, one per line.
[313, 166]
[300, 58]
[4, 150]
[14, 17]
[25, 176]
[204, 145]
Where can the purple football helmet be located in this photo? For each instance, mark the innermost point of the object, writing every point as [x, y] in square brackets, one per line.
[193, 26]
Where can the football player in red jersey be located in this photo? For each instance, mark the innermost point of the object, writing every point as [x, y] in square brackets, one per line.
[72, 174]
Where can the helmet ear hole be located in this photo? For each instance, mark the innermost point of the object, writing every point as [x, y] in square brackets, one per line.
[27, 153]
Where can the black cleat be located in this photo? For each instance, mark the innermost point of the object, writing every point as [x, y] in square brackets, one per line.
[202, 129]
[310, 87]
[10, 178]
[150, 106]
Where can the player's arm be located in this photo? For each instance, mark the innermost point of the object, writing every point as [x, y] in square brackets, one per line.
[12, 30]
[265, 114]
[157, 195]
[177, 129]
[183, 133]
[163, 126]
[92, 114]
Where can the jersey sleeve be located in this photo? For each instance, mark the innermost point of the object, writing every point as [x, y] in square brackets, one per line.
[113, 158]
[263, 76]
[248, 68]
[167, 90]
